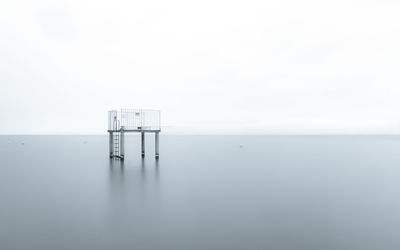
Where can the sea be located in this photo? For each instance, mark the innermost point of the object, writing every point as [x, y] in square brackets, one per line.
[292, 192]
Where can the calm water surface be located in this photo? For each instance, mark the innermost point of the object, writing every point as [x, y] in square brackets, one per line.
[205, 192]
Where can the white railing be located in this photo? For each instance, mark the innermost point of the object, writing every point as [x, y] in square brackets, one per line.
[134, 119]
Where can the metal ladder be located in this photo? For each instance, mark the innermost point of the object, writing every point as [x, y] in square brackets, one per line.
[116, 142]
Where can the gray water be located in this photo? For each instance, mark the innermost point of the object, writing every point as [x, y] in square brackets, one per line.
[205, 192]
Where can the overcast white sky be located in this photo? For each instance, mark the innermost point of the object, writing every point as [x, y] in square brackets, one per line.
[209, 66]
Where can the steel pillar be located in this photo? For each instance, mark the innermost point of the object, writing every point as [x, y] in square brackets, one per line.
[143, 144]
[156, 144]
[122, 143]
[111, 145]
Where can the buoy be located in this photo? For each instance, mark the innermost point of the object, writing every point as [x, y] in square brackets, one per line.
[241, 145]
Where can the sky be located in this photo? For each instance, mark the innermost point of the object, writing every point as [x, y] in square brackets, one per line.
[212, 66]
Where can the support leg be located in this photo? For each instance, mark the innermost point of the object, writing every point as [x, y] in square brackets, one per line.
[111, 145]
[157, 146]
[143, 146]
[122, 144]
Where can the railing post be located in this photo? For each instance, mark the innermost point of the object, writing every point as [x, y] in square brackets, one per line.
[143, 145]
[157, 146]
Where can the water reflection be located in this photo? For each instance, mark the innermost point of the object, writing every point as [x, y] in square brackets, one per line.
[128, 180]
[143, 168]
[134, 196]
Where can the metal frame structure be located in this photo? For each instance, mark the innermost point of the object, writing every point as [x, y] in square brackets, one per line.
[132, 120]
